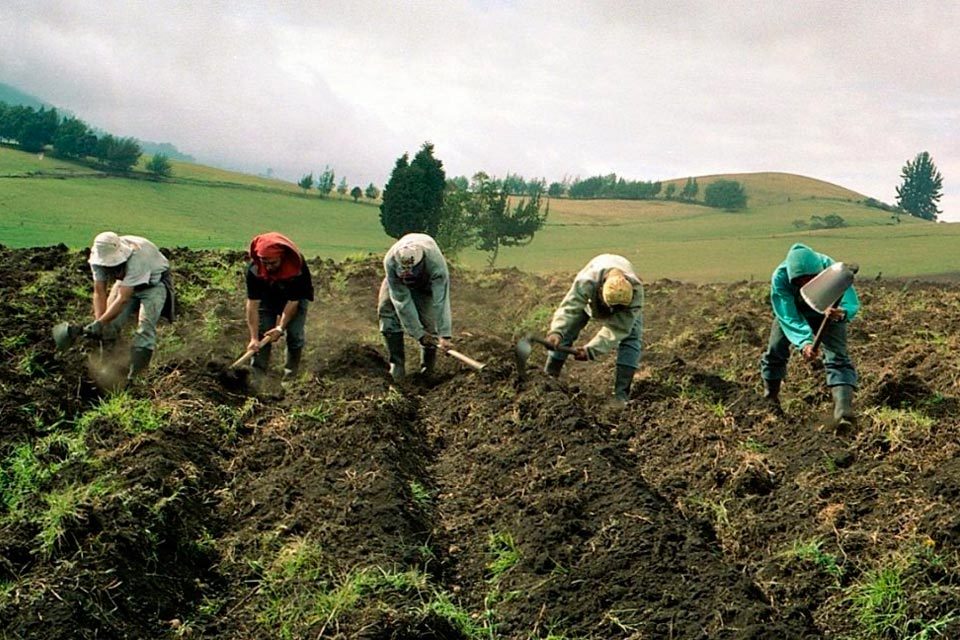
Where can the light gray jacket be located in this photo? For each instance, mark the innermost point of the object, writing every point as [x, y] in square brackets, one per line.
[584, 296]
[436, 277]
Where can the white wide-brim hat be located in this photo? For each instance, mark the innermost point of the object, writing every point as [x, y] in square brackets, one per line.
[109, 250]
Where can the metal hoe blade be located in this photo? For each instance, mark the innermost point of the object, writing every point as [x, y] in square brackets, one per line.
[65, 334]
[522, 353]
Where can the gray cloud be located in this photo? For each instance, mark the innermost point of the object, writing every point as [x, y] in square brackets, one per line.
[844, 92]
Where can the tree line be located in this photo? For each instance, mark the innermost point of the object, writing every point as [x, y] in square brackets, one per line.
[325, 181]
[36, 129]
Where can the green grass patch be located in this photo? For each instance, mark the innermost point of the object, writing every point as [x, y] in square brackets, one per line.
[899, 427]
[135, 416]
[298, 594]
[421, 496]
[811, 551]
[504, 554]
[903, 598]
[28, 467]
[64, 506]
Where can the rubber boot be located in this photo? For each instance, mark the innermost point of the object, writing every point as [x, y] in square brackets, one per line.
[292, 366]
[259, 366]
[261, 359]
[139, 361]
[553, 367]
[395, 355]
[771, 393]
[621, 386]
[428, 360]
[843, 404]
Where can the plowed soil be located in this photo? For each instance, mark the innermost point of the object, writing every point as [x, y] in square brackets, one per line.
[472, 504]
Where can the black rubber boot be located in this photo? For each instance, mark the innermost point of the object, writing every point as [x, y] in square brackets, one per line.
[261, 359]
[621, 386]
[843, 404]
[553, 367]
[292, 367]
[395, 355]
[139, 361]
[771, 393]
[623, 382]
[428, 360]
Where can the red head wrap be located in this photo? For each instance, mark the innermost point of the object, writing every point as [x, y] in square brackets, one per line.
[274, 245]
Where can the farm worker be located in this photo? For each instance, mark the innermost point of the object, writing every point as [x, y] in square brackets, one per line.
[415, 298]
[609, 291]
[795, 323]
[142, 283]
[279, 290]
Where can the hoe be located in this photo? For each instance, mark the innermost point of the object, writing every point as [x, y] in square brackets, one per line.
[824, 292]
[525, 347]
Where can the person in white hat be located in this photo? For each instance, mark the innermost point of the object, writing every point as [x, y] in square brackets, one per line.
[609, 291]
[415, 298]
[141, 283]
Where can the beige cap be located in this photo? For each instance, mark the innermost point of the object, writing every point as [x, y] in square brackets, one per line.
[617, 290]
[409, 256]
[109, 250]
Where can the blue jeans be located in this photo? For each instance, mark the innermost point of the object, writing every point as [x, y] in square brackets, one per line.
[628, 351]
[839, 366]
[295, 334]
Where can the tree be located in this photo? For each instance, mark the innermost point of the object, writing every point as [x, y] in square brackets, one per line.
[413, 197]
[670, 191]
[458, 182]
[120, 154]
[342, 187]
[495, 224]
[159, 166]
[725, 194]
[74, 139]
[38, 129]
[690, 189]
[921, 189]
[326, 181]
[306, 182]
[355, 193]
[455, 232]
[556, 189]
[372, 192]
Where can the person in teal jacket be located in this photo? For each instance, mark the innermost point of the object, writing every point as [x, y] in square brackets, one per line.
[796, 323]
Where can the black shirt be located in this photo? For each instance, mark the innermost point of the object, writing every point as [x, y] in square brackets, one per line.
[278, 293]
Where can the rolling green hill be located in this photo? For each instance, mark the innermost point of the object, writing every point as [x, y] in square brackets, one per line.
[47, 201]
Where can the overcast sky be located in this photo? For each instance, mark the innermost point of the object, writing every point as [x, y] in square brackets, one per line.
[842, 91]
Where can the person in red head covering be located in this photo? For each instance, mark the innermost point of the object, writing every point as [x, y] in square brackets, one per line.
[279, 290]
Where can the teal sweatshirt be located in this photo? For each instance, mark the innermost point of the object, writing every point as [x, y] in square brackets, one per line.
[802, 261]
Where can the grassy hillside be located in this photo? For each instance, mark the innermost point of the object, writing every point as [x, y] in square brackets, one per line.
[47, 201]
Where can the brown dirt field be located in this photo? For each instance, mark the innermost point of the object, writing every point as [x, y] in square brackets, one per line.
[473, 505]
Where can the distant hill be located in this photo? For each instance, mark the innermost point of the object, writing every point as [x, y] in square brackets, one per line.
[772, 187]
[13, 96]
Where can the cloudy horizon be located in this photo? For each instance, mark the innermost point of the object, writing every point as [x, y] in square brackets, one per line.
[840, 92]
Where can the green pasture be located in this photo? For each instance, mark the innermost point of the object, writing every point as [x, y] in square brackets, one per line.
[211, 208]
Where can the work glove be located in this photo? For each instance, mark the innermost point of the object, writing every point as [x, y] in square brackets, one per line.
[582, 354]
[445, 343]
[93, 330]
[553, 339]
[429, 341]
